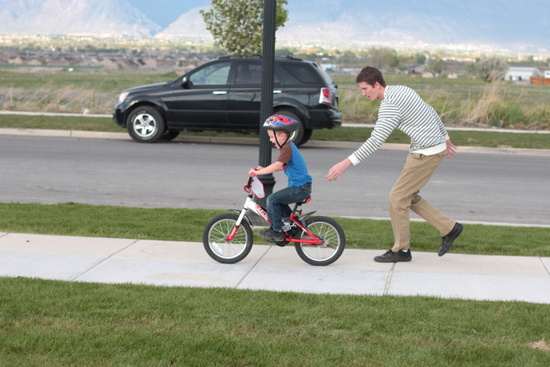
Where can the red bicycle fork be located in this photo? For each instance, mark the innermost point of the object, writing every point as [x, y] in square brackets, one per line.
[233, 233]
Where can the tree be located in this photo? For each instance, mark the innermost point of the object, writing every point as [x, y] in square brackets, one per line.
[420, 58]
[237, 25]
[435, 65]
[492, 69]
[382, 58]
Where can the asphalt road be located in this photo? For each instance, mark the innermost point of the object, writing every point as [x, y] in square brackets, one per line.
[486, 188]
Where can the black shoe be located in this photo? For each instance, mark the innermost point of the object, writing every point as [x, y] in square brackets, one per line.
[393, 257]
[270, 234]
[449, 239]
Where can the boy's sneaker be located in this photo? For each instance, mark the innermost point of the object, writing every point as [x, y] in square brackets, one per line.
[393, 257]
[449, 239]
[270, 234]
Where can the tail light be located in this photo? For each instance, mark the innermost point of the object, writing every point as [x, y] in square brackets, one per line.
[325, 96]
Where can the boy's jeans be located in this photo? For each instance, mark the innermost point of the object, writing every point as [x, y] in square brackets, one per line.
[278, 203]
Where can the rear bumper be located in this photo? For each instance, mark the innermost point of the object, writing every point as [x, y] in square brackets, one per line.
[325, 119]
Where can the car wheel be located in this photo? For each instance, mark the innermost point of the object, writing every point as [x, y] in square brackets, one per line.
[145, 125]
[307, 135]
[170, 135]
[301, 135]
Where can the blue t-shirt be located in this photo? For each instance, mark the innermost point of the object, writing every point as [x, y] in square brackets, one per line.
[295, 167]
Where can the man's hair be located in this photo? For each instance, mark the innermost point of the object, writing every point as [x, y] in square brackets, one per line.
[370, 75]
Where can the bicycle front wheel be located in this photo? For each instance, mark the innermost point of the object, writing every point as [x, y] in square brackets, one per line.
[216, 242]
[334, 241]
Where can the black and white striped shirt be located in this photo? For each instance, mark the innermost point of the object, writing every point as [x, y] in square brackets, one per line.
[402, 108]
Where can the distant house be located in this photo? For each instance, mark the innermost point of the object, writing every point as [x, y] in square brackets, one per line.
[59, 61]
[108, 63]
[417, 70]
[542, 80]
[147, 62]
[34, 62]
[16, 61]
[520, 73]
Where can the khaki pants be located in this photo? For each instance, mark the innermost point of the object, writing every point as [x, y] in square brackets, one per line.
[416, 173]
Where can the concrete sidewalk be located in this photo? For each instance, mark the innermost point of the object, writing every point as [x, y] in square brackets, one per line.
[166, 263]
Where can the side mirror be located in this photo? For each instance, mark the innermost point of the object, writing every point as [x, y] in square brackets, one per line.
[185, 83]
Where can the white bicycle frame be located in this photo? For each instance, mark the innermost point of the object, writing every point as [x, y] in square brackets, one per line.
[256, 208]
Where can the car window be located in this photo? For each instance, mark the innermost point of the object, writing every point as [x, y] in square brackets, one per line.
[323, 73]
[303, 72]
[215, 74]
[251, 73]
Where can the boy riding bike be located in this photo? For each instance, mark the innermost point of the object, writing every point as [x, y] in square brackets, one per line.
[279, 128]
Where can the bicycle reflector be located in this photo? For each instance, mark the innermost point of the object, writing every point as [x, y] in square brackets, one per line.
[258, 188]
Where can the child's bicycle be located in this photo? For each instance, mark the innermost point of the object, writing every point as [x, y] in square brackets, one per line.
[228, 237]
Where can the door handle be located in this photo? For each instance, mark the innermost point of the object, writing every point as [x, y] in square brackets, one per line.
[219, 92]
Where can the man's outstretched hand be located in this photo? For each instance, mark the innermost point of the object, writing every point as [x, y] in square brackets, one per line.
[338, 170]
[451, 149]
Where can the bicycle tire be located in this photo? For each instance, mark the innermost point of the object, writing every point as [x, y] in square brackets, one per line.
[333, 246]
[218, 248]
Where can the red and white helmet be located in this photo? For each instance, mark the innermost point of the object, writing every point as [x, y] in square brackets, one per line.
[281, 123]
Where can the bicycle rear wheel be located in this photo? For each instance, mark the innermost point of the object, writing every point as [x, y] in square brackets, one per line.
[215, 241]
[334, 241]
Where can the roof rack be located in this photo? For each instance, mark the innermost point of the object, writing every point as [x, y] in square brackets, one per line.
[289, 57]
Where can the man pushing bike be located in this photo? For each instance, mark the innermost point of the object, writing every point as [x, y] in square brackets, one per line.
[402, 108]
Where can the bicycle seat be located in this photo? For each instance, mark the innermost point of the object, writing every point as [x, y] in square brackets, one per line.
[307, 200]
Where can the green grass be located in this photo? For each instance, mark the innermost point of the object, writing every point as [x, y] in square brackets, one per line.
[459, 138]
[71, 219]
[52, 323]
[460, 102]
[81, 123]
[87, 79]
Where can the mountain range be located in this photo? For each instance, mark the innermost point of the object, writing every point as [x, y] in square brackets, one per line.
[470, 25]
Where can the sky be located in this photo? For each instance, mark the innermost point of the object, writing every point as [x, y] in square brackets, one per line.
[165, 12]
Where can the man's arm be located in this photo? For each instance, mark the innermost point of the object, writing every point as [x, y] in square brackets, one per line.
[338, 170]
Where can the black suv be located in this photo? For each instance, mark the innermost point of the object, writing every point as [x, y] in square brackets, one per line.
[224, 95]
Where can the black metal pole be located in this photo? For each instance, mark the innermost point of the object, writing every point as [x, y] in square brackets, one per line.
[266, 105]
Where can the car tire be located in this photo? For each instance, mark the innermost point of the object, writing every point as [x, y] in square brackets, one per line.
[301, 135]
[145, 124]
[170, 135]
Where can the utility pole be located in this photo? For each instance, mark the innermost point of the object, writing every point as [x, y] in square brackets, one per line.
[266, 105]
